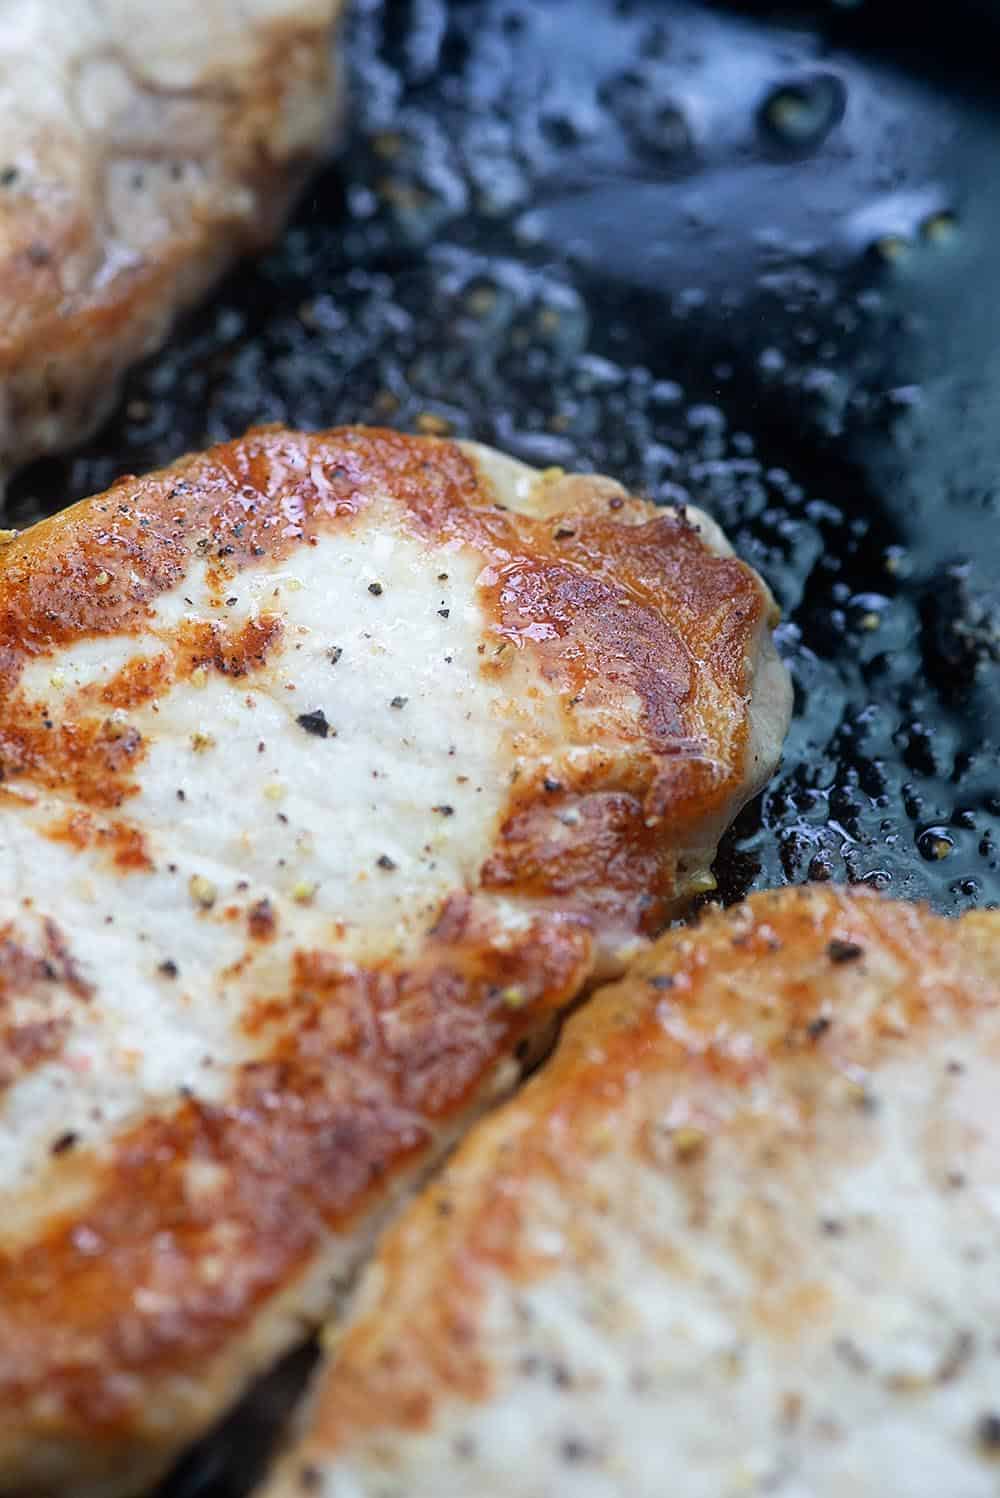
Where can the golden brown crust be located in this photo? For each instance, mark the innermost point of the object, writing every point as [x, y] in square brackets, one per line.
[738, 1028]
[357, 1066]
[347, 1098]
[586, 598]
[90, 288]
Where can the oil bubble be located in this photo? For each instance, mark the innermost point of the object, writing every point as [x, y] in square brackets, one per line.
[798, 116]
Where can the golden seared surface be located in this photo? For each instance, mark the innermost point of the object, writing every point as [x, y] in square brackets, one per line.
[331, 767]
[740, 1236]
[142, 147]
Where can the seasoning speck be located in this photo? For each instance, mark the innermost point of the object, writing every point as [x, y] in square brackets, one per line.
[102, 579]
[385, 862]
[202, 890]
[303, 891]
[375, 589]
[399, 702]
[64, 1143]
[688, 1143]
[988, 1433]
[315, 723]
[168, 969]
[444, 613]
[444, 810]
[334, 654]
[202, 742]
[844, 951]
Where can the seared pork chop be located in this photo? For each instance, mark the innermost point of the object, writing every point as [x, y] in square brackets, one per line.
[332, 767]
[739, 1237]
[142, 147]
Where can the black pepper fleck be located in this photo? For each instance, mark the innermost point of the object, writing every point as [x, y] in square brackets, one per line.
[444, 613]
[552, 785]
[844, 951]
[334, 653]
[385, 862]
[375, 589]
[399, 702]
[64, 1143]
[169, 968]
[315, 723]
[818, 1026]
[988, 1432]
[444, 810]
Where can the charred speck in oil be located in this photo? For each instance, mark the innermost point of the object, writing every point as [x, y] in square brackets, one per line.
[315, 723]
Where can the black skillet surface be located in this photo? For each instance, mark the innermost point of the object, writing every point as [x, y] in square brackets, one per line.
[723, 258]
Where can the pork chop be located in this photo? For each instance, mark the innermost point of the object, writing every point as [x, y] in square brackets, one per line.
[739, 1237]
[143, 146]
[332, 767]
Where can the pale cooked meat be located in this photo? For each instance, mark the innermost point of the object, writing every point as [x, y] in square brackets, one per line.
[143, 146]
[739, 1237]
[327, 780]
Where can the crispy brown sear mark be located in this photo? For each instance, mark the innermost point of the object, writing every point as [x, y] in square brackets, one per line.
[205, 1212]
[717, 1020]
[299, 1148]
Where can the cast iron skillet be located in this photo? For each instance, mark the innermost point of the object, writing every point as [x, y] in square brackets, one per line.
[748, 260]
